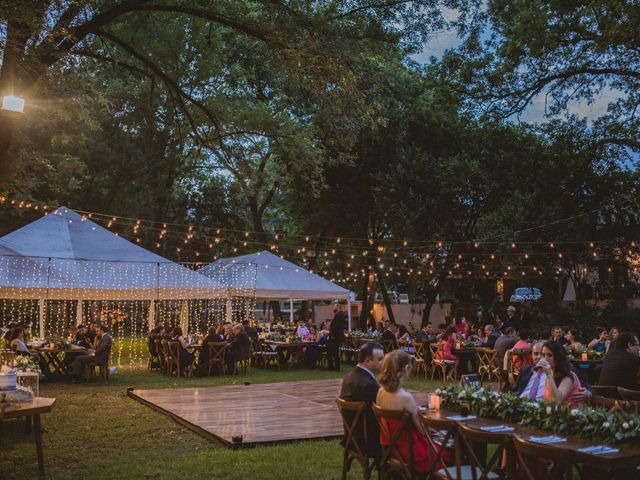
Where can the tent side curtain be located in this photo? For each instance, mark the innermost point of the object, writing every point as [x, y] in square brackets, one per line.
[69, 279]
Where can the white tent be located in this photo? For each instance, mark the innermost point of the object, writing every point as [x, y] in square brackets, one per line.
[64, 256]
[276, 278]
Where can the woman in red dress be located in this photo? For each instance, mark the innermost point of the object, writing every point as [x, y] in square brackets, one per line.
[396, 367]
[446, 344]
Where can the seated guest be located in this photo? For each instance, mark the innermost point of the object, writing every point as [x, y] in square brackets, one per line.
[621, 365]
[505, 342]
[212, 337]
[426, 335]
[557, 335]
[527, 370]
[168, 334]
[446, 344]
[155, 335]
[360, 385]
[302, 329]
[481, 338]
[92, 333]
[252, 332]
[522, 352]
[17, 342]
[99, 355]
[461, 327]
[26, 333]
[572, 342]
[613, 336]
[9, 333]
[79, 339]
[396, 368]
[312, 335]
[389, 333]
[403, 334]
[492, 335]
[238, 348]
[323, 334]
[442, 327]
[552, 379]
[601, 342]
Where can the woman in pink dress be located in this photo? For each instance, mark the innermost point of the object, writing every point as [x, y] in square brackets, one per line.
[446, 344]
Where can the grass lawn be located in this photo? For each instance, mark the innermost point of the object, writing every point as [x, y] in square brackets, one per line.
[95, 431]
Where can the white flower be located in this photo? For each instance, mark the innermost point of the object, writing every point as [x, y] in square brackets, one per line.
[625, 425]
[484, 399]
[438, 391]
[575, 412]
[549, 411]
[605, 425]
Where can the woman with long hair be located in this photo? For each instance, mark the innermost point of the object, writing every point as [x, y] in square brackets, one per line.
[445, 345]
[396, 368]
[572, 341]
[186, 358]
[552, 379]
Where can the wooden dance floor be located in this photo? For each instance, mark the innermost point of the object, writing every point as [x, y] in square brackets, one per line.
[261, 413]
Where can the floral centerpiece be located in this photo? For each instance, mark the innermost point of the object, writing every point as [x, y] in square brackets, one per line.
[27, 364]
[597, 424]
[364, 335]
[277, 337]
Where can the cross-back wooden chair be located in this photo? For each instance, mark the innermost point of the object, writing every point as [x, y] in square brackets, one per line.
[265, 356]
[438, 364]
[355, 437]
[389, 345]
[556, 464]
[217, 354]
[392, 462]
[103, 368]
[421, 362]
[487, 367]
[627, 394]
[164, 357]
[443, 437]
[173, 353]
[613, 403]
[153, 347]
[482, 468]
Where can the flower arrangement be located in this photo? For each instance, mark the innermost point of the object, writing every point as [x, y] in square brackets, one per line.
[364, 335]
[26, 363]
[277, 337]
[597, 424]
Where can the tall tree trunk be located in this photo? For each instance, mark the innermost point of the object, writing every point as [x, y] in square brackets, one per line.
[364, 313]
[385, 294]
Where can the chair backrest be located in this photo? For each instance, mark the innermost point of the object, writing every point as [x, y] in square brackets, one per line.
[173, 351]
[418, 348]
[627, 394]
[392, 458]
[353, 422]
[481, 468]
[529, 455]
[440, 433]
[217, 352]
[433, 348]
[389, 345]
[610, 391]
[486, 357]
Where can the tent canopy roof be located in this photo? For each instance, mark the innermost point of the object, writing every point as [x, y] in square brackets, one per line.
[276, 278]
[66, 256]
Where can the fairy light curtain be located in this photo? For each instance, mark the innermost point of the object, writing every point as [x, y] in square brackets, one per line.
[63, 269]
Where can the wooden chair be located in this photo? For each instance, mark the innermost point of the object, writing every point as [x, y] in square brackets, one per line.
[173, 354]
[609, 391]
[556, 464]
[487, 365]
[438, 364]
[421, 362]
[265, 356]
[153, 347]
[217, 355]
[103, 368]
[443, 435]
[389, 345]
[611, 403]
[392, 463]
[509, 368]
[627, 394]
[481, 468]
[164, 357]
[355, 446]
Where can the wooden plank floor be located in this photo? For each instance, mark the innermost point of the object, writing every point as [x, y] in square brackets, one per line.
[261, 413]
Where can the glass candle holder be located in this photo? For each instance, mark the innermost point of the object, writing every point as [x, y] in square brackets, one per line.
[433, 401]
[585, 356]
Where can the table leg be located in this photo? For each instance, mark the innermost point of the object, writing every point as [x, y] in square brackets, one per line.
[38, 437]
[27, 424]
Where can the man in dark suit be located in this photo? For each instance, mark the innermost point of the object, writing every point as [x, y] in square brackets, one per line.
[621, 366]
[336, 335]
[360, 385]
[492, 336]
[239, 347]
[250, 331]
[100, 355]
[389, 333]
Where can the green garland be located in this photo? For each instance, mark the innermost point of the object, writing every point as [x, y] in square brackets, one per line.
[596, 424]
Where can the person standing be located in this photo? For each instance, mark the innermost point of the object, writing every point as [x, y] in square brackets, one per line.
[336, 335]
[511, 320]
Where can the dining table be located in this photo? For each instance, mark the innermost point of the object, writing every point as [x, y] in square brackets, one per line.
[468, 360]
[31, 410]
[616, 465]
[54, 358]
[289, 354]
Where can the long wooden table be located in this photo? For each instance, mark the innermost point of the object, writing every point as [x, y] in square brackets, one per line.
[626, 458]
[32, 409]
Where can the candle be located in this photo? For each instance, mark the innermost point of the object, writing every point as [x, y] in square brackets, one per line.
[433, 401]
[200, 342]
[585, 356]
[458, 346]
[52, 345]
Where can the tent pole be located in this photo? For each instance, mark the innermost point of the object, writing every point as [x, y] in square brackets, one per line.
[291, 310]
[79, 312]
[41, 313]
[152, 313]
[349, 313]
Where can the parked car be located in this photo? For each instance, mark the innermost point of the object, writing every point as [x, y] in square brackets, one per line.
[403, 298]
[525, 294]
[393, 297]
